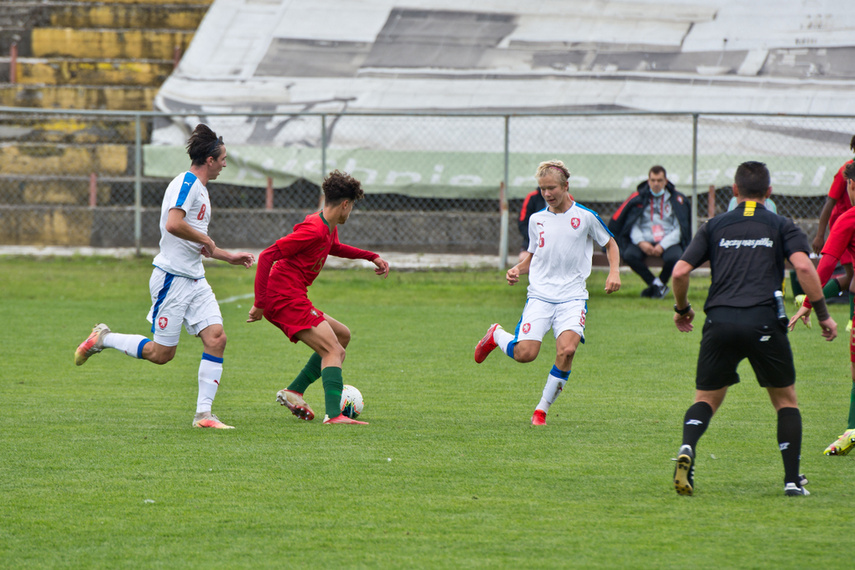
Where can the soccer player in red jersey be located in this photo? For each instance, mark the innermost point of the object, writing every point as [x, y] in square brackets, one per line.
[836, 204]
[285, 271]
[840, 242]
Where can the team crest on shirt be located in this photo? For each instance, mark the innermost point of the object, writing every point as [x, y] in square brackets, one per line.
[575, 222]
[162, 322]
[526, 327]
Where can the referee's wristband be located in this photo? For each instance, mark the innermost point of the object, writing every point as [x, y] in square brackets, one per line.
[821, 309]
[683, 311]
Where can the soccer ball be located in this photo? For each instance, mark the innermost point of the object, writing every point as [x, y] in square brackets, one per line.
[351, 401]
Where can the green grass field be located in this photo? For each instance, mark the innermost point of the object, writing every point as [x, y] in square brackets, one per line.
[101, 469]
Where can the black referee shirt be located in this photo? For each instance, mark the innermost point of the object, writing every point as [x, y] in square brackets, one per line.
[746, 248]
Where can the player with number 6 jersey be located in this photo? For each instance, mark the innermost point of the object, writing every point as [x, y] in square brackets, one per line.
[559, 259]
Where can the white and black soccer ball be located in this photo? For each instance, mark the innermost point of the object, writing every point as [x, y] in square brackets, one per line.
[351, 401]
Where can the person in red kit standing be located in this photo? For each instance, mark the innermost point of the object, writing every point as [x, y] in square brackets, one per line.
[840, 243]
[285, 271]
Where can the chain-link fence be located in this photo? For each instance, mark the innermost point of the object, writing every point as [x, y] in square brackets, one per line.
[434, 182]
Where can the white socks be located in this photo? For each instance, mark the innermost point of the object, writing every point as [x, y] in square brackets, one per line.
[210, 372]
[130, 344]
[554, 385]
[503, 338]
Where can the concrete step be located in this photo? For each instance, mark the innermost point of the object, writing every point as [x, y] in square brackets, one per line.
[53, 190]
[60, 71]
[126, 16]
[16, 128]
[23, 15]
[31, 225]
[119, 98]
[109, 44]
[151, 2]
[69, 159]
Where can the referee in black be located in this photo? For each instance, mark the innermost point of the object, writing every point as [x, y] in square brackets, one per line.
[746, 249]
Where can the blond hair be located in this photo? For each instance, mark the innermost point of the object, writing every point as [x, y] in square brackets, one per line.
[553, 166]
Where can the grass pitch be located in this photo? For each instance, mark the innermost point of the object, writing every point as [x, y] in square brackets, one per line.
[101, 469]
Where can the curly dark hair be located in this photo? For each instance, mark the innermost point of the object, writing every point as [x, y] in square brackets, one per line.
[203, 143]
[339, 186]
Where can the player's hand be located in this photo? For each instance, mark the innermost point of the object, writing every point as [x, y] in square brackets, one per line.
[612, 283]
[829, 329]
[802, 314]
[243, 258]
[817, 244]
[382, 267]
[255, 314]
[513, 275]
[208, 248]
[684, 322]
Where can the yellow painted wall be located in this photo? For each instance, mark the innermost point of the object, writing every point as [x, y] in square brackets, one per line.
[66, 97]
[125, 16]
[46, 226]
[59, 160]
[108, 44]
[70, 72]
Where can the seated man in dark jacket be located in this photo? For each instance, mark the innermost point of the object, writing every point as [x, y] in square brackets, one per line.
[655, 221]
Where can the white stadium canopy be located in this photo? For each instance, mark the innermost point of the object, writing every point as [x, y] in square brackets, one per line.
[551, 56]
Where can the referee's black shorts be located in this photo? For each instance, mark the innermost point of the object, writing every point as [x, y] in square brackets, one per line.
[731, 334]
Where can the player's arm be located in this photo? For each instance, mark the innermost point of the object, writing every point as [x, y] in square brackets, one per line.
[822, 225]
[613, 255]
[266, 259]
[513, 274]
[178, 226]
[238, 258]
[680, 285]
[810, 283]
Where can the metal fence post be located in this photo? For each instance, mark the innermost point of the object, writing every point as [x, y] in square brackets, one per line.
[13, 63]
[137, 183]
[503, 201]
[694, 173]
[323, 159]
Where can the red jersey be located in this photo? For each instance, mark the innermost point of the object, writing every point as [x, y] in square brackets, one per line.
[838, 193]
[287, 268]
[840, 241]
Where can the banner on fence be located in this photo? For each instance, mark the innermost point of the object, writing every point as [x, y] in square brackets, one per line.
[594, 177]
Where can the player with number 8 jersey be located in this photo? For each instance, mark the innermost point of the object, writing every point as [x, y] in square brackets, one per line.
[180, 294]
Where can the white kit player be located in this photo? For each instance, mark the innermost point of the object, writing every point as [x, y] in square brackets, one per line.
[180, 294]
[559, 257]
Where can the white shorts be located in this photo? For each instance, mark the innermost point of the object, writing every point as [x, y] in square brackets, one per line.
[539, 316]
[179, 300]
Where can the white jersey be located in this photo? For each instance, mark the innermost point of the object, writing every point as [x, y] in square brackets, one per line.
[563, 248]
[180, 256]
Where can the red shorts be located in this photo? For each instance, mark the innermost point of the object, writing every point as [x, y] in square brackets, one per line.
[293, 316]
[852, 345]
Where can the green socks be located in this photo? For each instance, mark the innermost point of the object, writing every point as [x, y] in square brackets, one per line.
[333, 385]
[852, 408]
[310, 373]
[831, 289]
